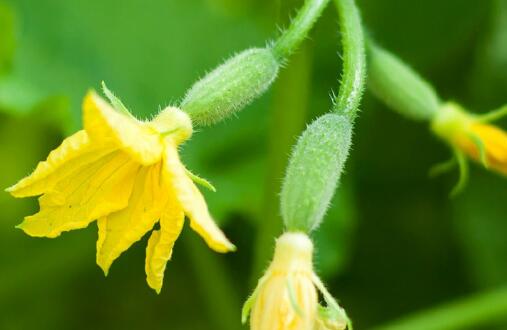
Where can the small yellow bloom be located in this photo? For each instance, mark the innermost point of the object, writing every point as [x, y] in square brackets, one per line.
[127, 175]
[286, 296]
[472, 136]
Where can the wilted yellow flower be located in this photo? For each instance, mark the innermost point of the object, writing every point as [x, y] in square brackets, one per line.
[126, 174]
[286, 296]
[473, 136]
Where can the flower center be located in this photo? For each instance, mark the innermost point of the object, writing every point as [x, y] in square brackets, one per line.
[174, 123]
[451, 121]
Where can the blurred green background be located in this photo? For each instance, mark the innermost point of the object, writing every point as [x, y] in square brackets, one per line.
[392, 244]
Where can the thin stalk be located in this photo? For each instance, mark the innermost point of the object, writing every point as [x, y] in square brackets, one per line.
[354, 59]
[467, 313]
[288, 116]
[215, 285]
[292, 37]
[493, 115]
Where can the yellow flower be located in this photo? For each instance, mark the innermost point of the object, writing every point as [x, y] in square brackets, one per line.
[127, 175]
[473, 136]
[286, 296]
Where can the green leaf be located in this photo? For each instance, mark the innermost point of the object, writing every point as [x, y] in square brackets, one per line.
[115, 101]
[201, 181]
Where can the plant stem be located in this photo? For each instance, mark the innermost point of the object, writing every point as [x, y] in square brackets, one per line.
[214, 282]
[299, 28]
[288, 115]
[466, 313]
[354, 59]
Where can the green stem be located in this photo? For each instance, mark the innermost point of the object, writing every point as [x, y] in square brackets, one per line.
[291, 38]
[354, 59]
[288, 116]
[467, 313]
[463, 173]
[316, 163]
[493, 115]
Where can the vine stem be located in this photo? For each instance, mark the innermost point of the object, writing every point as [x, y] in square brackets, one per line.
[466, 313]
[354, 59]
[297, 31]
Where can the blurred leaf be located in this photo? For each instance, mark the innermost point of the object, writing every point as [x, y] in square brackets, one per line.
[234, 7]
[230, 155]
[480, 214]
[25, 141]
[19, 98]
[488, 83]
[427, 34]
[264, 11]
[149, 66]
[481, 222]
[7, 37]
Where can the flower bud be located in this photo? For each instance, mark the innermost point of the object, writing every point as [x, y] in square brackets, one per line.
[231, 86]
[286, 296]
[473, 136]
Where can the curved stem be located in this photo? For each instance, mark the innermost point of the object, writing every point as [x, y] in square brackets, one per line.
[493, 115]
[354, 59]
[467, 313]
[299, 28]
[463, 173]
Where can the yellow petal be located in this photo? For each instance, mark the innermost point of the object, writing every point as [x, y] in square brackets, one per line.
[495, 142]
[136, 138]
[273, 308]
[93, 192]
[161, 243]
[193, 202]
[286, 297]
[119, 230]
[75, 152]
